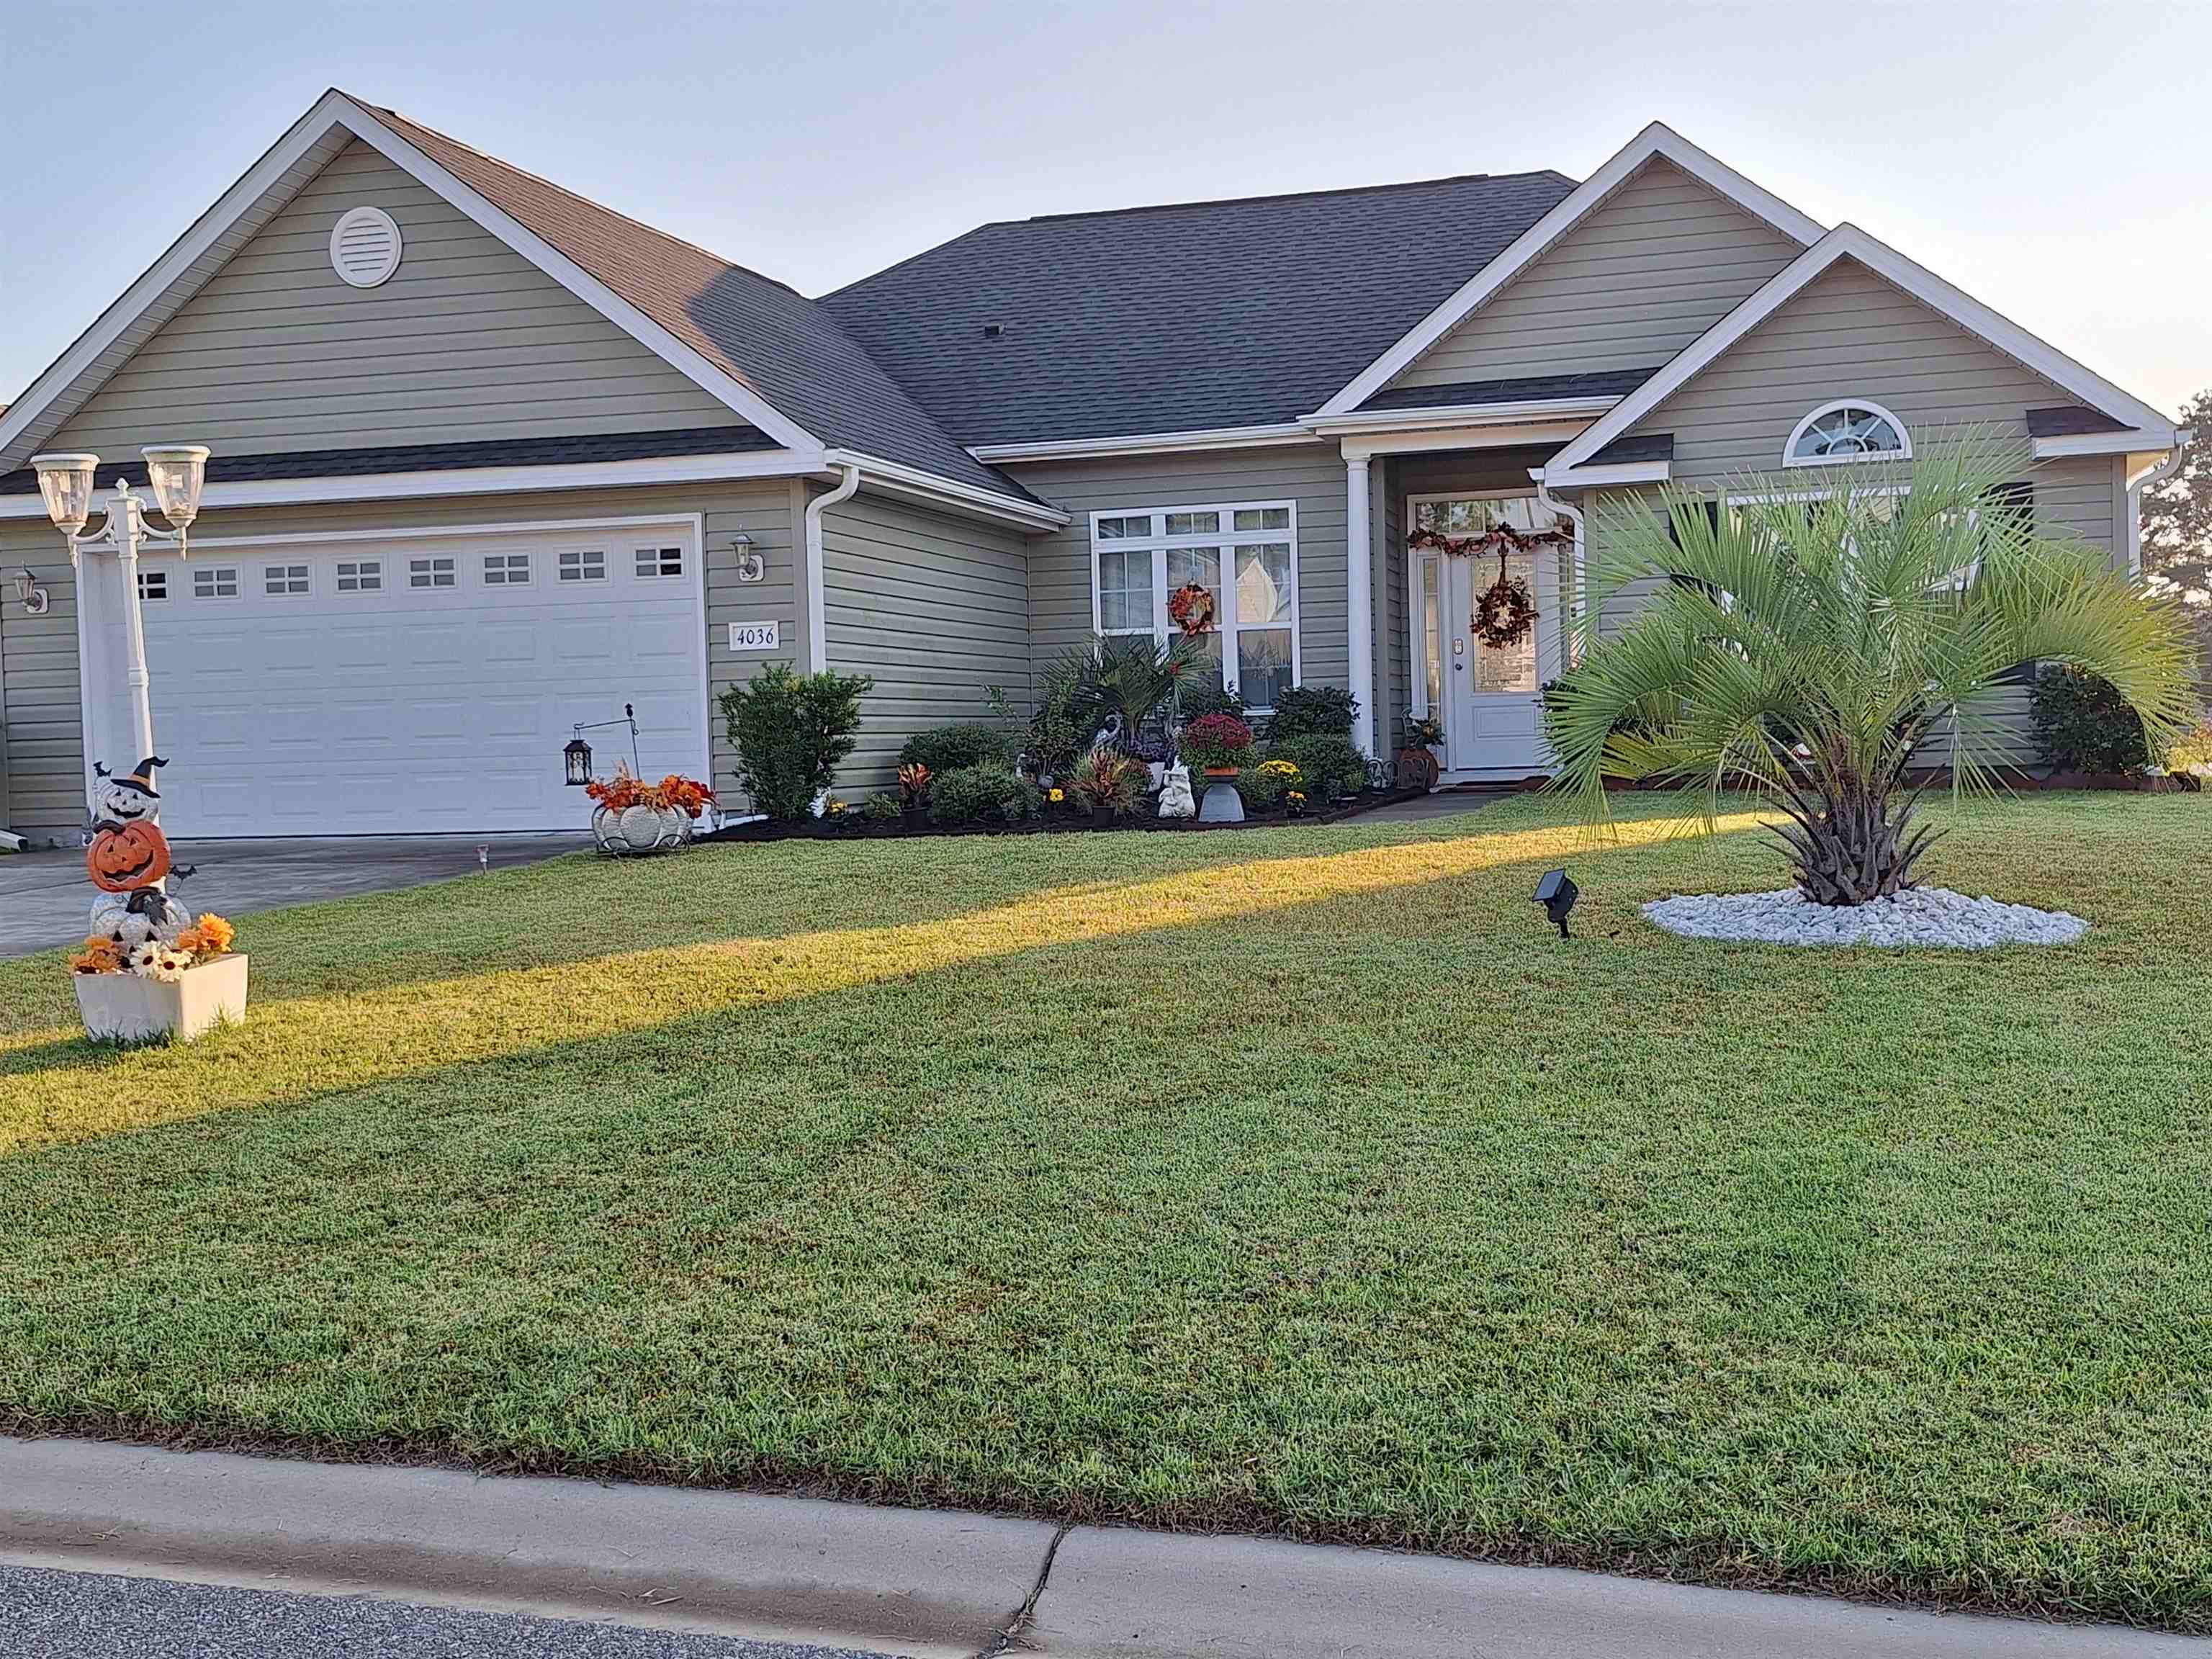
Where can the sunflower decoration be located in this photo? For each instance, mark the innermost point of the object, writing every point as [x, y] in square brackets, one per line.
[144, 956]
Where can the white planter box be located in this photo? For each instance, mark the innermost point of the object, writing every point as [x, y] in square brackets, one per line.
[125, 1008]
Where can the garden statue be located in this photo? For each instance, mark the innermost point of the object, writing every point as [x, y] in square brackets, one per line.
[148, 971]
[1109, 735]
[128, 858]
[1175, 801]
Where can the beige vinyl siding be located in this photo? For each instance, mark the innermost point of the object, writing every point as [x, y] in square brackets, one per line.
[467, 340]
[39, 697]
[1847, 334]
[39, 717]
[1310, 475]
[1850, 334]
[1643, 275]
[936, 609]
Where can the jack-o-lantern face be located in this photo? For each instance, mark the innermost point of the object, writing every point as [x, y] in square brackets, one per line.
[122, 860]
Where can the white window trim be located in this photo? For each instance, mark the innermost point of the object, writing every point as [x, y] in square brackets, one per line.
[212, 592]
[1225, 622]
[1790, 457]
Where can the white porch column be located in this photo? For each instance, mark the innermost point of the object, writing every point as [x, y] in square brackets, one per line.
[1359, 593]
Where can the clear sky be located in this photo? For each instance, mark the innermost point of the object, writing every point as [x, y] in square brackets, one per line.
[2050, 159]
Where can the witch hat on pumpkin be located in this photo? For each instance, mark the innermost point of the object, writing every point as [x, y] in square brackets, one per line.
[141, 778]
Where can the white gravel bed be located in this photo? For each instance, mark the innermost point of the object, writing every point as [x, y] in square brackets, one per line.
[1925, 916]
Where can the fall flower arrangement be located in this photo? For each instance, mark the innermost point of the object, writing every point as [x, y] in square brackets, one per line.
[1215, 743]
[913, 783]
[673, 793]
[156, 959]
[1288, 773]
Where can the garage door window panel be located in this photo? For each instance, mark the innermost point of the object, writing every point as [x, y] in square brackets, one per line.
[506, 569]
[284, 581]
[360, 575]
[583, 565]
[215, 582]
[429, 573]
[660, 561]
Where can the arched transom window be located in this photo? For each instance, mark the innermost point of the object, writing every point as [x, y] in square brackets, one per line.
[1853, 430]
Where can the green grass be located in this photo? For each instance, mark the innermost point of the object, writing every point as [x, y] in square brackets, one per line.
[1295, 1181]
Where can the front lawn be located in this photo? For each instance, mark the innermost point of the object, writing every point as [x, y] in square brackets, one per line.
[1298, 1181]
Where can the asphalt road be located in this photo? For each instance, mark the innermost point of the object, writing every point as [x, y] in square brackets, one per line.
[83, 1615]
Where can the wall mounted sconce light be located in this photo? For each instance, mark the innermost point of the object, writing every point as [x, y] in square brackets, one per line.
[752, 566]
[36, 600]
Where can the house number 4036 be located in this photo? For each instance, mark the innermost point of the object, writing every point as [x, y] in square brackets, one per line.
[754, 636]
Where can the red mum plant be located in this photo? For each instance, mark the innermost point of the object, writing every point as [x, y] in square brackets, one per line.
[1216, 743]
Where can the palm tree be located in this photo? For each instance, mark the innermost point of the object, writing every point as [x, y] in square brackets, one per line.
[1806, 648]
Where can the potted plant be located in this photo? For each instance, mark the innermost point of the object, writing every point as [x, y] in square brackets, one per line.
[1220, 746]
[174, 989]
[1418, 765]
[1109, 783]
[632, 816]
[914, 790]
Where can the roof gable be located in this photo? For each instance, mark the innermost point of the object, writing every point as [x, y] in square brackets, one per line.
[2139, 427]
[1634, 281]
[466, 341]
[1657, 140]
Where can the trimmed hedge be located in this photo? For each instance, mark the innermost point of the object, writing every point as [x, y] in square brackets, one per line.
[1333, 766]
[944, 749]
[993, 793]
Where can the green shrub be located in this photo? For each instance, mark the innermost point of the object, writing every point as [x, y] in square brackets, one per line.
[791, 732]
[1314, 711]
[991, 793]
[1333, 766]
[882, 808]
[944, 749]
[2084, 725]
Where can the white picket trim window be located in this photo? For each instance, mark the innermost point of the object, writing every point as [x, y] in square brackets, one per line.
[1247, 552]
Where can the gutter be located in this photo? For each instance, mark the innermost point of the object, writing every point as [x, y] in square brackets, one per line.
[2182, 437]
[818, 625]
[1579, 608]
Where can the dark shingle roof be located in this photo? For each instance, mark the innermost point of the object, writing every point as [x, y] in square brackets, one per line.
[1636, 446]
[1177, 319]
[785, 347]
[440, 458]
[1528, 388]
[2069, 421]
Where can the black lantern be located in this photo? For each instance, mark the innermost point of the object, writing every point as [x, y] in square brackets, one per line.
[578, 757]
[1557, 893]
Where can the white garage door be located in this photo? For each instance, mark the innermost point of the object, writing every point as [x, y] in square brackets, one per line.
[415, 683]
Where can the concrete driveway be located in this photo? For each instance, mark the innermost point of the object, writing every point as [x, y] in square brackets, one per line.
[44, 898]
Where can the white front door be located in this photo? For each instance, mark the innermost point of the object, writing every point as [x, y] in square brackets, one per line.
[1490, 700]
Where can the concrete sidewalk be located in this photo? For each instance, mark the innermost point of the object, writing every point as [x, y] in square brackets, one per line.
[915, 1582]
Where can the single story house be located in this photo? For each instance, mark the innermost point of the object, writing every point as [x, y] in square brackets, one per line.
[492, 461]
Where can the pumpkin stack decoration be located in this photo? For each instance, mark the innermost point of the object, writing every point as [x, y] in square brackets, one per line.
[127, 857]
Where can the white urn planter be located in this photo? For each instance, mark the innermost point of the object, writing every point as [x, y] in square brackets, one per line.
[130, 1008]
[637, 831]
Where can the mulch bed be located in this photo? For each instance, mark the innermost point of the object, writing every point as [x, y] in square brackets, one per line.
[851, 826]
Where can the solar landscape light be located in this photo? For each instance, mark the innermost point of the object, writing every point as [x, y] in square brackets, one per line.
[1557, 893]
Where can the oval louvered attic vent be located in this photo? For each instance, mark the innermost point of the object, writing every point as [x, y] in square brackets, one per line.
[364, 246]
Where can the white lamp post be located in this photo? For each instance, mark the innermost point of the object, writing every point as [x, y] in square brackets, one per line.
[108, 591]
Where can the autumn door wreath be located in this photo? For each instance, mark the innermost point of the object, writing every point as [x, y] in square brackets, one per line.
[1505, 612]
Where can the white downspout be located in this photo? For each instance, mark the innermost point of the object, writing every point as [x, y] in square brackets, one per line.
[818, 625]
[1578, 606]
[2158, 475]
